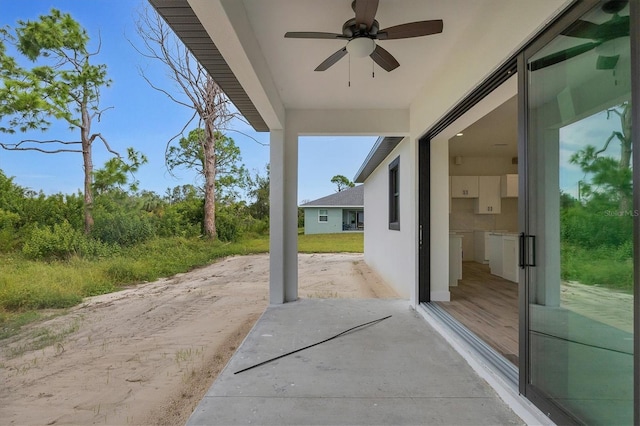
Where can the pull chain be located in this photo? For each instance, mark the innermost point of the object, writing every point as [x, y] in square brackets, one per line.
[373, 72]
[349, 70]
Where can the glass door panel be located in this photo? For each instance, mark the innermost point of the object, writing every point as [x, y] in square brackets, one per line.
[579, 189]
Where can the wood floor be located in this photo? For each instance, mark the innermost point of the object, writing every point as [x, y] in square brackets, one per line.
[488, 306]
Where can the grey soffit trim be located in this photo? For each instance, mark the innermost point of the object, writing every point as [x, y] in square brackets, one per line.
[184, 22]
[381, 149]
[493, 358]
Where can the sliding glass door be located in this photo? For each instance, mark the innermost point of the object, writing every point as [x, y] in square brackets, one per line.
[578, 243]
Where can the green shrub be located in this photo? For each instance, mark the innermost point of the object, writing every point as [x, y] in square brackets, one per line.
[606, 266]
[8, 233]
[170, 222]
[62, 242]
[121, 228]
[227, 225]
[8, 219]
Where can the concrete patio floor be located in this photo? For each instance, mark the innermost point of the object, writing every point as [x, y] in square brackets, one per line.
[398, 371]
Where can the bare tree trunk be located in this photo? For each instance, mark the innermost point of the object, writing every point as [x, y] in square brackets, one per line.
[209, 181]
[625, 151]
[88, 169]
[201, 92]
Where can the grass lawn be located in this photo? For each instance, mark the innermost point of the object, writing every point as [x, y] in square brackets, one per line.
[331, 243]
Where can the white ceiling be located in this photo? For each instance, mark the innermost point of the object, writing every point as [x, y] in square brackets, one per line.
[292, 61]
[494, 135]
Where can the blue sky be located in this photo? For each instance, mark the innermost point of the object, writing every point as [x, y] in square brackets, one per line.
[593, 130]
[146, 119]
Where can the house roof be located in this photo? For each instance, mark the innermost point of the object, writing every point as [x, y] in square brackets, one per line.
[380, 150]
[350, 197]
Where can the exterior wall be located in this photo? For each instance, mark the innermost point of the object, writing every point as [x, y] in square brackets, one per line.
[313, 226]
[392, 254]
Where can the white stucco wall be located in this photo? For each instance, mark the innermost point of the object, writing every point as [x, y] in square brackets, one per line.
[391, 253]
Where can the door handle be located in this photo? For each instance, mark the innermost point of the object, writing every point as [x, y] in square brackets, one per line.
[521, 240]
[526, 250]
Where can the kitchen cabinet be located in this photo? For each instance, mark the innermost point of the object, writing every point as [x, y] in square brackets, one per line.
[455, 259]
[464, 186]
[509, 186]
[489, 200]
[482, 246]
[503, 259]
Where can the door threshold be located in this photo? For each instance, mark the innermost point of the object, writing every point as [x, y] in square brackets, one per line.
[493, 358]
[499, 373]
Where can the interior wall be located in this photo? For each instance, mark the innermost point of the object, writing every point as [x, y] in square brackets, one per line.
[439, 221]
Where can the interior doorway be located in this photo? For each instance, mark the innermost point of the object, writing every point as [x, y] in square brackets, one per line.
[479, 291]
[483, 228]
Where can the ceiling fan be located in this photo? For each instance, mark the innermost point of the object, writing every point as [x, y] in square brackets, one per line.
[599, 34]
[362, 31]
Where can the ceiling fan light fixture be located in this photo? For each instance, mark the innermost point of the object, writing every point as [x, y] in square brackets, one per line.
[361, 47]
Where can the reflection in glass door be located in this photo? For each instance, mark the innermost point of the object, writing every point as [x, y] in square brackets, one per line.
[580, 212]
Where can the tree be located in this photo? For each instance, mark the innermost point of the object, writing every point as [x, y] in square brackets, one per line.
[20, 97]
[342, 182]
[197, 91]
[63, 85]
[115, 173]
[230, 173]
[611, 178]
[259, 192]
[180, 193]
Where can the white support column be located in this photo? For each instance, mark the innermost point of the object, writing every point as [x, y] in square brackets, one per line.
[290, 215]
[276, 217]
[283, 217]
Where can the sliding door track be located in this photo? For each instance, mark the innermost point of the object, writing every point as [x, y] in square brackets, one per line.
[495, 360]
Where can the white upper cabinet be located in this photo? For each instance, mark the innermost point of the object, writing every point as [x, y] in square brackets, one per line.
[464, 186]
[489, 200]
[509, 186]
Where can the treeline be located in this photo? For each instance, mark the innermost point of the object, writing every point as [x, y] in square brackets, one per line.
[52, 226]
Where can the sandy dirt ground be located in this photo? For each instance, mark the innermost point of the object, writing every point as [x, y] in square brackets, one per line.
[601, 304]
[147, 354]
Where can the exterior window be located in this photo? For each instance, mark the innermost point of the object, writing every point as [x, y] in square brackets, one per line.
[394, 194]
[323, 215]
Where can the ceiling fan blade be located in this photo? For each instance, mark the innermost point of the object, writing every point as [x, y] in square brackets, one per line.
[614, 28]
[411, 29]
[617, 27]
[316, 35]
[332, 59]
[560, 56]
[583, 29]
[607, 62]
[365, 12]
[384, 59]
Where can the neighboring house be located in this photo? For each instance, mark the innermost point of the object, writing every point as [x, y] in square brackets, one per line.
[335, 213]
[532, 83]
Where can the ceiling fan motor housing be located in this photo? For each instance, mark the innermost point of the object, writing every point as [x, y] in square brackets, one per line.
[351, 30]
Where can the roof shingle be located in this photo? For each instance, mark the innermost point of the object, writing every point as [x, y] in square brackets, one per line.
[350, 197]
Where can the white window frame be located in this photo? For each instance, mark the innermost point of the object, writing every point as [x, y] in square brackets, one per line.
[320, 215]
